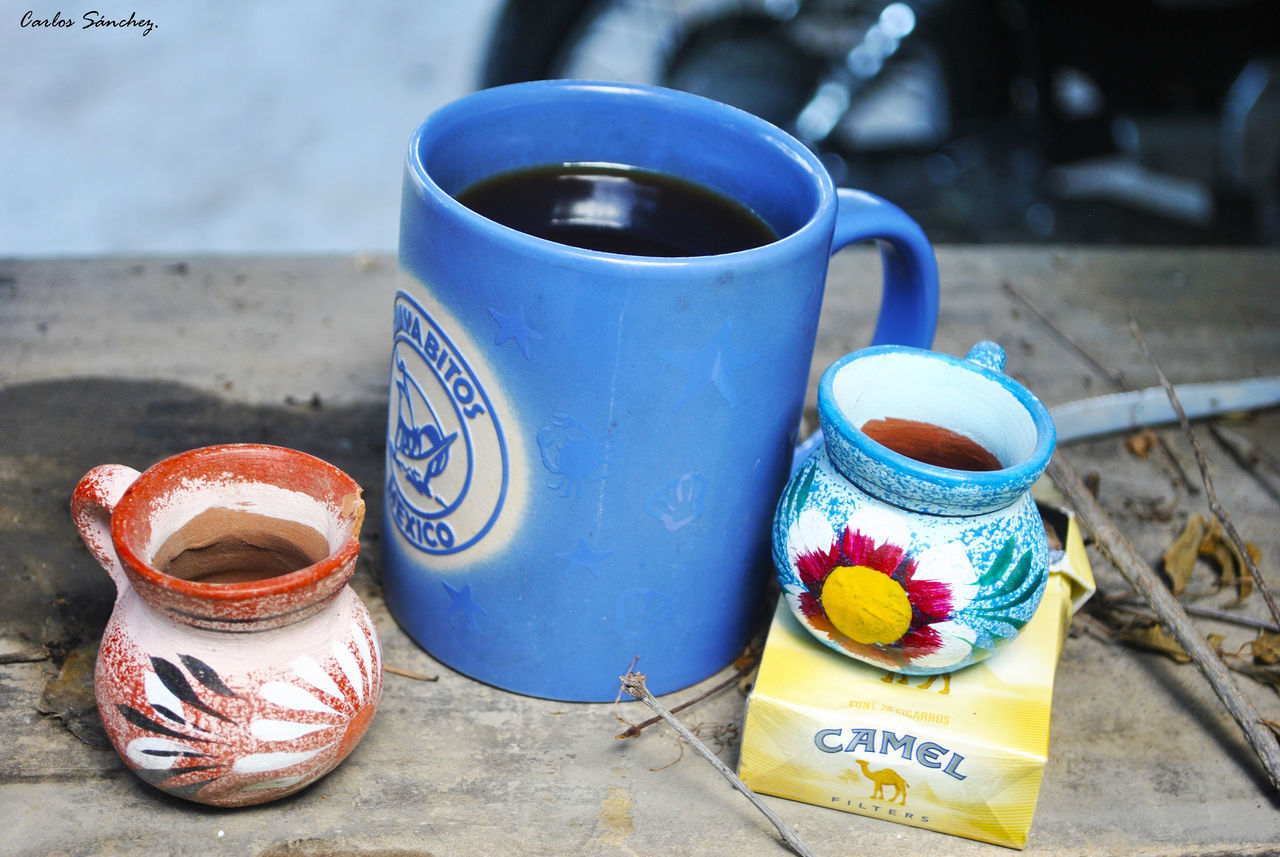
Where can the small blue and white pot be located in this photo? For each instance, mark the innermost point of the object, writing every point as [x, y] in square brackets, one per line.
[915, 567]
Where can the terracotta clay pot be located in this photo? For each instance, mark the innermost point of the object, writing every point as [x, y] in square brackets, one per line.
[238, 666]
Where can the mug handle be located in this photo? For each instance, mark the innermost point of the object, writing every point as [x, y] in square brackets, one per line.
[909, 306]
[92, 503]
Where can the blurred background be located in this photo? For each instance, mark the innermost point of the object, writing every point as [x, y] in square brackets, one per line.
[280, 127]
[245, 127]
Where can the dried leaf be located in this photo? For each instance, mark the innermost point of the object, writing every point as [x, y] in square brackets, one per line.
[1266, 648]
[1180, 557]
[1092, 482]
[69, 697]
[1158, 510]
[1263, 675]
[1232, 567]
[1141, 443]
[746, 658]
[1214, 549]
[1245, 581]
[1157, 639]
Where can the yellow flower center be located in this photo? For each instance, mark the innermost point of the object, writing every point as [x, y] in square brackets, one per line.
[866, 605]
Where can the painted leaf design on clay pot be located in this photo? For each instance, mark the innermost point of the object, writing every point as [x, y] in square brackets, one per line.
[196, 733]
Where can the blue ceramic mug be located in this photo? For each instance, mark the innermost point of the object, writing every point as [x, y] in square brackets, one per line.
[585, 448]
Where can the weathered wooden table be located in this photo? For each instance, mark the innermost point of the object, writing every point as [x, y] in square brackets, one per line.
[130, 360]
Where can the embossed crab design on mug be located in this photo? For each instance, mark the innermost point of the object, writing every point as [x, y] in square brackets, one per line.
[238, 666]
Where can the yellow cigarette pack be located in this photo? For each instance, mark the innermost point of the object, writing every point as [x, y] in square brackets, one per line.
[961, 753]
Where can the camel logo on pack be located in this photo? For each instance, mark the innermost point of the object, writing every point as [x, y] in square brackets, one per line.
[446, 457]
[880, 779]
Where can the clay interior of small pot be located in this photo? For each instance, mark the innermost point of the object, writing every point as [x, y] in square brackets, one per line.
[935, 411]
[930, 444]
[223, 545]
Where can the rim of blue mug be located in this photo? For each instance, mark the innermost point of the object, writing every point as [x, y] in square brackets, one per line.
[732, 118]
[1024, 473]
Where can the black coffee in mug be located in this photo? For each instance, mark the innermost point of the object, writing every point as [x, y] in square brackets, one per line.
[618, 209]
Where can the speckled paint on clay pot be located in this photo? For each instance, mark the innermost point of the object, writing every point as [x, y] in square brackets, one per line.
[913, 567]
[231, 693]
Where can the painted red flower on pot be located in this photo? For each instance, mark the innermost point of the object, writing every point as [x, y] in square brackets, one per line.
[867, 591]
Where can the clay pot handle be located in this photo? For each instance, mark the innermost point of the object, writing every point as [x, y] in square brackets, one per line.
[92, 503]
[988, 355]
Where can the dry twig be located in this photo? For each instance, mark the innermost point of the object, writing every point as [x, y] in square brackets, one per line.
[1214, 505]
[1125, 557]
[1116, 378]
[1246, 449]
[633, 683]
[400, 671]
[1228, 616]
[26, 656]
[1249, 456]
[634, 729]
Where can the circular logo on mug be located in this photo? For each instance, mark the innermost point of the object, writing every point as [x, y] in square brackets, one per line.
[446, 458]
